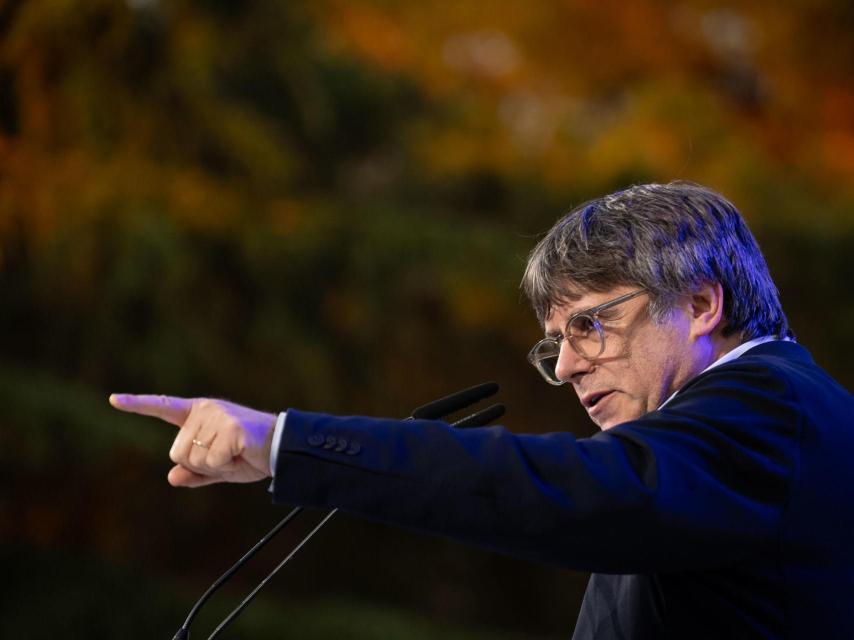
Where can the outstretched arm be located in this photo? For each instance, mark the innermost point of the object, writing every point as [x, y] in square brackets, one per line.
[700, 483]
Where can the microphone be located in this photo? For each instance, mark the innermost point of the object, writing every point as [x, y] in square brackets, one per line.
[455, 401]
[431, 411]
[481, 418]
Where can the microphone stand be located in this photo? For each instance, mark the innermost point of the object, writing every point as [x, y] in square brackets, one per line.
[431, 411]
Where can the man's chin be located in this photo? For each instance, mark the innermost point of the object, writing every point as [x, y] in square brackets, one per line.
[607, 423]
[614, 409]
[608, 414]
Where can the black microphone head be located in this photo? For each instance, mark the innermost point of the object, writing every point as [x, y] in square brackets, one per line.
[481, 418]
[455, 401]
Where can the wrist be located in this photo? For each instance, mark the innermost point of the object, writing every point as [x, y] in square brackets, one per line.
[268, 444]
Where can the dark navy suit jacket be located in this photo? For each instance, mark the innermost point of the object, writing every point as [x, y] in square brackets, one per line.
[729, 513]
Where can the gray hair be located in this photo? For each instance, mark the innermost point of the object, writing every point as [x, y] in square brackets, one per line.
[670, 239]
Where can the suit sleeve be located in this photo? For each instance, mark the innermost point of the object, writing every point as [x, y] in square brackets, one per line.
[700, 483]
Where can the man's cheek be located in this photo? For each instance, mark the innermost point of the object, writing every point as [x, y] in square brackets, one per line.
[630, 407]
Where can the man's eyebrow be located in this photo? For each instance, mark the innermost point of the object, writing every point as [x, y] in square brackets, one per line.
[559, 332]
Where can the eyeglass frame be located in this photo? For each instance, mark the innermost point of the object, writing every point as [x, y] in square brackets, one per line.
[593, 314]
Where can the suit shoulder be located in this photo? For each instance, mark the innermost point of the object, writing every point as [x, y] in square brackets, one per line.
[744, 376]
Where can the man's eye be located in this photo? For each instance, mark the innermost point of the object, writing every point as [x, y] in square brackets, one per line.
[581, 325]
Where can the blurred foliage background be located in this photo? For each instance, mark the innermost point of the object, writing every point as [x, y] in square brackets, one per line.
[328, 205]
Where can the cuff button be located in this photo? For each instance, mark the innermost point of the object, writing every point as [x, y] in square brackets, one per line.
[315, 440]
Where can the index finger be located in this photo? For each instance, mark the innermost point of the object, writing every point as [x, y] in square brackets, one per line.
[168, 408]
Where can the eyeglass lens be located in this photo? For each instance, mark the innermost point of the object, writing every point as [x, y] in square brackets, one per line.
[547, 364]
[585, 335]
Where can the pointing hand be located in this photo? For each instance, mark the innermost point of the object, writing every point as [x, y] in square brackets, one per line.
[217, 441]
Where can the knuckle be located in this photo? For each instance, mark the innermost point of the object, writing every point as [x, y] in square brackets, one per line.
[220, 460]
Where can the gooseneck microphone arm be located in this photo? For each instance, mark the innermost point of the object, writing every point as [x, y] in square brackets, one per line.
[239, 608]
[184, 632]
[432, 411]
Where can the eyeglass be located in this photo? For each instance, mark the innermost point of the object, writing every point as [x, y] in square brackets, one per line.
[583, 332]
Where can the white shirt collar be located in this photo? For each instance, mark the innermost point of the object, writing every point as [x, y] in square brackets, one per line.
[730, 356]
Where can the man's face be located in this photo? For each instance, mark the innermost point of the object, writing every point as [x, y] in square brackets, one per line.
[642, 365]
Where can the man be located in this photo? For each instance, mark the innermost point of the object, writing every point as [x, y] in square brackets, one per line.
[715, 503]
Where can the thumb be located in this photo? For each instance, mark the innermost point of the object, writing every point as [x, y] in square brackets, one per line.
[182, 477]
[169, 408]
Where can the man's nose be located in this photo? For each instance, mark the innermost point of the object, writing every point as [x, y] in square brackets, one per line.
[569, 363]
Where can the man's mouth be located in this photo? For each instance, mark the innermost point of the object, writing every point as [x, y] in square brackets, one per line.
[590, 400]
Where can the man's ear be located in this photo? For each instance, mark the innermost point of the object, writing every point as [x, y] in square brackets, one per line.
[706, 309]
